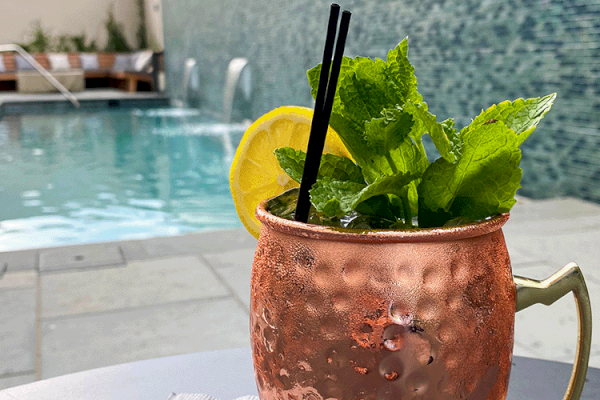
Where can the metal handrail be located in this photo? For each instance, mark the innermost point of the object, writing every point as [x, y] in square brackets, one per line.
[43, 71]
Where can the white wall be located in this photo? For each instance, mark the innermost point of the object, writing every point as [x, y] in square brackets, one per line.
[70, 17]
[154, 25]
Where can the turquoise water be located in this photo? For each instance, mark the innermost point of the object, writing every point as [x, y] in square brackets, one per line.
[113, 175]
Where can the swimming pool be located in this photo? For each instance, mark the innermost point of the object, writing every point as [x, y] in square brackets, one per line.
[113, 175]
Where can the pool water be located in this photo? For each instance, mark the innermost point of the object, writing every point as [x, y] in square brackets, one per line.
[113, 175]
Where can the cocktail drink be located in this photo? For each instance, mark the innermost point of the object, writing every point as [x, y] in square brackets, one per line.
[400, 284]
[391, 314]
[381, 314]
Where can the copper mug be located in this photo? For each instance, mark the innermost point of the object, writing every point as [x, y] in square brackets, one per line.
[423, 314]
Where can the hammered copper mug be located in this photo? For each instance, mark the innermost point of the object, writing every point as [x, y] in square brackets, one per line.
[423, 314]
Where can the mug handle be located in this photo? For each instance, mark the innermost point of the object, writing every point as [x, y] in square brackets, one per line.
[547, 291]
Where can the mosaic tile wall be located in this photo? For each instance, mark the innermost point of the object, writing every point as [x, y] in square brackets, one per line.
[468, 55]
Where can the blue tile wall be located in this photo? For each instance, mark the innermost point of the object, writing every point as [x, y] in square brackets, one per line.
[467, 54]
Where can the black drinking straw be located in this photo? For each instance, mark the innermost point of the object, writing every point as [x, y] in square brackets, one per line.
[323, 106]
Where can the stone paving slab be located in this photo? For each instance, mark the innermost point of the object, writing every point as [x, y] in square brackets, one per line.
[19, 260]
[18, 280]
[551, 209]
[17, 331]
[550, 226]
[556, 232]
[82, 256]
[140, 283]
[560, 249]
[239, 282]
[550, 332]
[519, 258]
[80, 343]
[17, 380]
[133, 250]
[195, 243]
[235, 268]
[523, 350]
[237, 258]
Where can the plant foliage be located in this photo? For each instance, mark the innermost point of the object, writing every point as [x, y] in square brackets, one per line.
[116, 41]
[381, 118]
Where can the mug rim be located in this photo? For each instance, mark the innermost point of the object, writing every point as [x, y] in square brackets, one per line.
[321, 232]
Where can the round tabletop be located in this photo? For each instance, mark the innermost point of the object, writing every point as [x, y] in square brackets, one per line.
[227, 374]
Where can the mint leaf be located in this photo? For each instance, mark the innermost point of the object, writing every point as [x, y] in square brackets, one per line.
[352, 135]
[378, 209]
[314, 75]
[291, 161]
[394, 184]
[364, 90]
[443, 135]
[402, 73]
[340, 168]
[483, 182]
[336, 198]
[350, 124]
[410, 158]
[332, 166]
[522, 116]
[453, 135]
[388, 131]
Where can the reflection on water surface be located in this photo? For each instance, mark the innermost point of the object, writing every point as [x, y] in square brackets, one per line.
[113, 175]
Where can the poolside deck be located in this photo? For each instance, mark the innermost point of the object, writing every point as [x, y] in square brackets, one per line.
[89, 99]
[74, 308]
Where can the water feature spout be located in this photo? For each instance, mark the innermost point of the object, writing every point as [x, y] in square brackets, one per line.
[238, 76]
[191, 83]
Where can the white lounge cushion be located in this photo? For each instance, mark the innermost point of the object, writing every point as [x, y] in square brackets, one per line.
[58, 61]
[122, 62]
[89, 61]
[22, 64]
[141, 60]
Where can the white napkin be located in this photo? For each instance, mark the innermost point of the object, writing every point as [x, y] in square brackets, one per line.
[200, 396]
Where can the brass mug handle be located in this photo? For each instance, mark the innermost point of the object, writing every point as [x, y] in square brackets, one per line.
[547, 291]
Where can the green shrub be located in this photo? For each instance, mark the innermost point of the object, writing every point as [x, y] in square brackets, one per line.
[116, 38]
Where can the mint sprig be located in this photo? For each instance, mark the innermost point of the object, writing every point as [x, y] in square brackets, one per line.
[381, 119]
[481, 183]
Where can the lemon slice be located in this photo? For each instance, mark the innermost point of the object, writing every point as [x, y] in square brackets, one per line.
[255, 174]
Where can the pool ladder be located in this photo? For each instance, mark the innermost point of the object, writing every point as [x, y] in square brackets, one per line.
[43, 71]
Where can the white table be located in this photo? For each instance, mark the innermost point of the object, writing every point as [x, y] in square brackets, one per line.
[228, 374]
